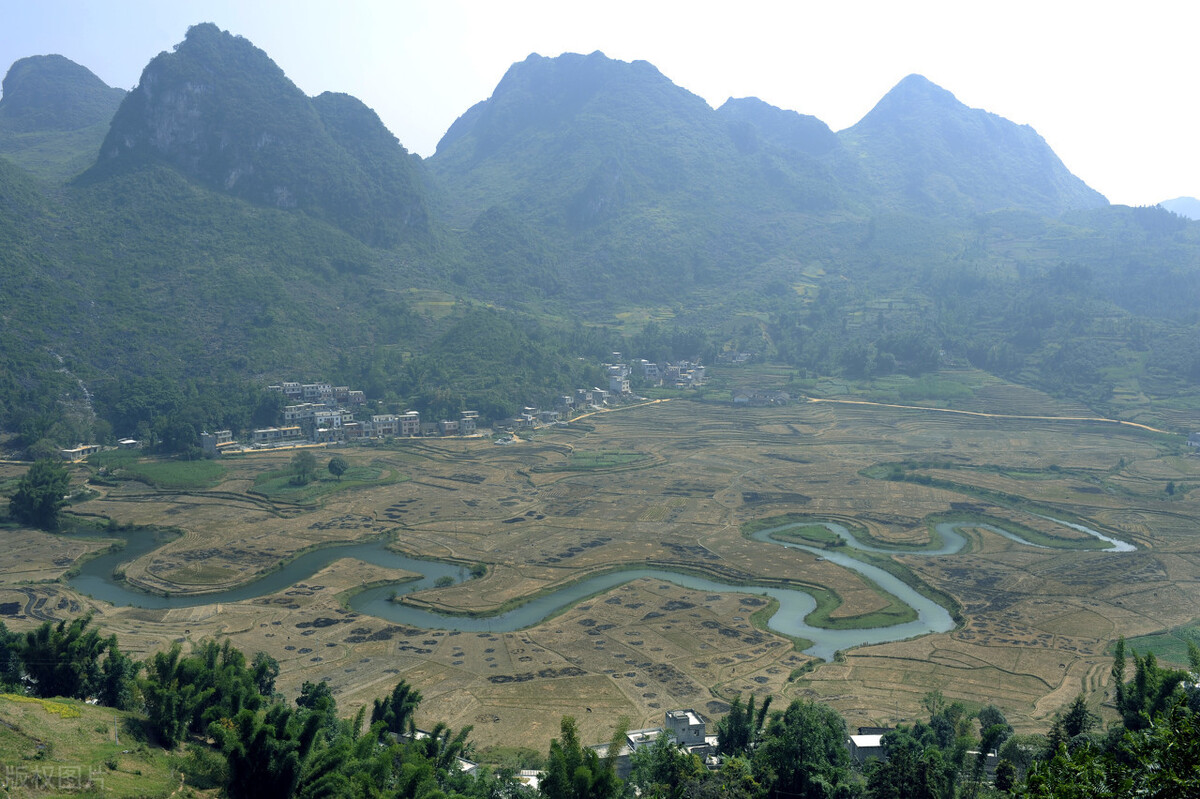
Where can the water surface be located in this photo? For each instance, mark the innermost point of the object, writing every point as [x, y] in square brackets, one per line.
[97, 578]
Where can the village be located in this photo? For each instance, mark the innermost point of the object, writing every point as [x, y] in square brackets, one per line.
[687, 730]
[322, 413]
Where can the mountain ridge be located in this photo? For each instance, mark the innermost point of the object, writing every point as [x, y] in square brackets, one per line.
[920, 143]
[51, 92]
[54, 114]
[222, 112]
[1184, 206]
[233, 229]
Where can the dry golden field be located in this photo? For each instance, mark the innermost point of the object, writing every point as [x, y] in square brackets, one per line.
[1036, 622]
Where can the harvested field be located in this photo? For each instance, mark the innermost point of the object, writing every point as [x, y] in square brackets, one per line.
[672, 484]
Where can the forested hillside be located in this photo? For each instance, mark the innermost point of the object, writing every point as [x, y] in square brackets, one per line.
[53, 115]
[213, 718]
[227, 231]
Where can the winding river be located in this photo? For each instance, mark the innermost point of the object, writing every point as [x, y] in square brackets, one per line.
[97, 578]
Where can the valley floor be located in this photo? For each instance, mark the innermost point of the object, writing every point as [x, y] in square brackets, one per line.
[1036, 623]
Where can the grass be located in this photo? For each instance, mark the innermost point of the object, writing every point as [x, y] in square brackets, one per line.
[1171, 646]
[599, 459]
[65, 746]
[927, 389]
[896, 612]
[279, 485]
[809, 530]
[602, 459]
[762, 616]
[179, 474]
[754, 525]
[203, 575]
[810, 533]
[902, 472]
[61, 709]
[165, 474]
[1028, 533]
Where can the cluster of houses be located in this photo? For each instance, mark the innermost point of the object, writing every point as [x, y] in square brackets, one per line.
[680, 374]
[687, 729]
[735, 358]
[683, 374]
[322, 413]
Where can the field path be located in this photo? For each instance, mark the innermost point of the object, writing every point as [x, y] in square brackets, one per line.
[993, 415]
[619, 408]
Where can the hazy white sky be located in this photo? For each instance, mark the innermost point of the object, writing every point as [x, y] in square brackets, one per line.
[1110, 85]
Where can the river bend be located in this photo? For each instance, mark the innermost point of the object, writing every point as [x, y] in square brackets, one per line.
[97, 578]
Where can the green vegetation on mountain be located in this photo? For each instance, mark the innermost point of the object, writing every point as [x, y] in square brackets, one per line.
[233, 232]
[635, 185]
[53, 116]
[223, 114]
[929, 151]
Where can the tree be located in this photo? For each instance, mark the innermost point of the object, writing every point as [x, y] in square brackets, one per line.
[118, 678]
[266, 669]
[177, 435]
[738, 731]
[11, 667]
[338, 466]
[441, 747]
[1020, 751]
[992, 716]
[171, 701]
[909, 770]
[304, 466]
[41, 494]
[577, 772]
[1006, 776]
[318, 697]
[1078, 720]
[265, 750]
[1165, 759]
[349, 763]
[64, 659]
[397, 712]
[1148, 693]
[803, 752]
[664, 771]
[189, 693]
[994, 729]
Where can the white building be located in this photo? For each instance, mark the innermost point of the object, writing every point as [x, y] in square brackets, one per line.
[409, 423]
[865, 747]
